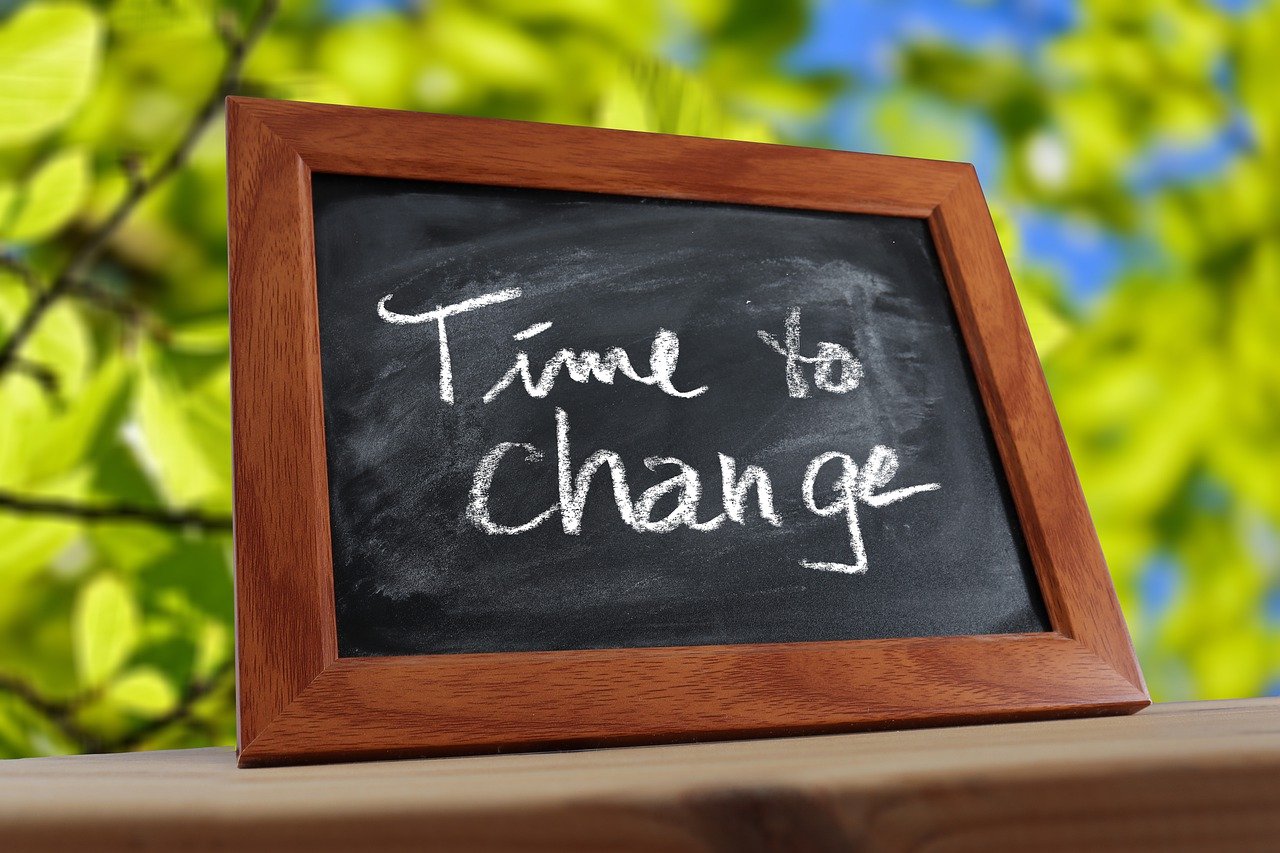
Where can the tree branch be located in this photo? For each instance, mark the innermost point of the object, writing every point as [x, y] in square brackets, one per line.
[31, 696]
[84, 257]
[59, 712]
[195, 691]
[22, 270]
[191, 519]
[42, 376]
[130, 313]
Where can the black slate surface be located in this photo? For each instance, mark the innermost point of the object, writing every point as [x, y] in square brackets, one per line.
[413, 575]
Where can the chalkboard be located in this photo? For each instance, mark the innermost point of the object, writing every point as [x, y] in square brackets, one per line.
[550, 437]
[788, 443]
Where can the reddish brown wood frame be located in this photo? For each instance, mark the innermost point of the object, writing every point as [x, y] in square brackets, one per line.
[300, 702]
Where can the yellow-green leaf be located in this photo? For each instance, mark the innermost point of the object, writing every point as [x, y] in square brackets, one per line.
[142, 690]
[8, 200]
[50, 198]
[185, 435]
[1048, 328]
[661, 98]
[208, 335]
[27, 545]
[104, 628]
[67, 436]
[623, 107]
[48, 61]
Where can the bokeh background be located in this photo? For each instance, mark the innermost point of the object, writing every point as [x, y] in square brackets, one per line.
[1130, 151]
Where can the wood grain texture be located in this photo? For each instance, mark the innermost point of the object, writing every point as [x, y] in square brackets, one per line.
[299, 702]
[1202, 776]
[445, 704]
[389, 143]
[1051, 505]
[285, 624]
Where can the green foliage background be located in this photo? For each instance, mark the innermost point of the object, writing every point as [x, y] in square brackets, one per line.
[115, 568]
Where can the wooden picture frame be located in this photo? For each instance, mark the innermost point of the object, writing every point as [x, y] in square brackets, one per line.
[300, 702]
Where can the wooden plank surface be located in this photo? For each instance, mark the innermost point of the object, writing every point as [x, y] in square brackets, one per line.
[1196, 776]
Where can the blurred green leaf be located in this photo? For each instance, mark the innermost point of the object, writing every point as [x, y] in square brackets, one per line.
[187, 432]
[142, 690]
[162, 18]
[199, 573]
[30, 544]
[8, 200]
[660, 98]
[48, 59]
[1048, 328]
[213, 648]
[48, 200]
[209, 335]
[104, 628]
[74, 431]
